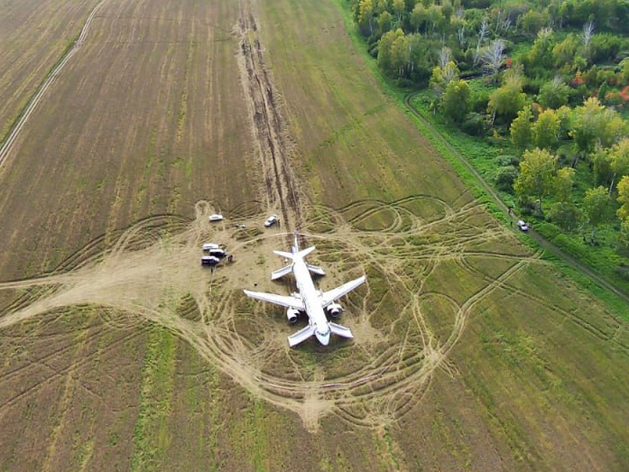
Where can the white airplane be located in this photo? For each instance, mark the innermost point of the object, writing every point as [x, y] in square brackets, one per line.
[308, 299]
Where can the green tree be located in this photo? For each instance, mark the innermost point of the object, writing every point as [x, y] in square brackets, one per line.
[419, 17]
[565, 52]
[435, 17]
[385, 56]
[546, 129]
[624, 233]
[455, 100]
[442, 77]
[531, 22]
[522, 129]
[399, 55]
[566, 215]
[505, 176]
[507, 100]
[594, 124]
[596, 204]
[624, 70]
[602, 164]
[554, 94]
[365, 15]
[537, 175]
[540, 56]
[385, 22]
[563, 184]
[398, 7]
[619, 155]
[623, 198]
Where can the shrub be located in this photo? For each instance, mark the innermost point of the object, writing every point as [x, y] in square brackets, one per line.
[507, 160]
[622, 270]
[505, 176]
[474, 124]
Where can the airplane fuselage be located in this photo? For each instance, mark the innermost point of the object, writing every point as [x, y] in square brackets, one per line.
[312, 301]
[308, 298]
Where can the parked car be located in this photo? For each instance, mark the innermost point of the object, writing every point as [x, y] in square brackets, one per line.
[210, 260]
[270, 221]
[210, 246]
[523, 226]
[216, 217]
[219, 253]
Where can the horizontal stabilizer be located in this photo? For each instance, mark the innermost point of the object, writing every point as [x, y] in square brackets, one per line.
[315, 269]
[340, 330]
[303, 253]
[301, 335]
[276, 274]
[284, 254]
[281, 300]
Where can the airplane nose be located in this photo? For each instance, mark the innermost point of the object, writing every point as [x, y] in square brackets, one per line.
[324, 338]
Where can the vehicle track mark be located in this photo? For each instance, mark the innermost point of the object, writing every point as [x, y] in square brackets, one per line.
[151, 272]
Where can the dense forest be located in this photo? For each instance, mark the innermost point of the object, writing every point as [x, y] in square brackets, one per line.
[543, 85]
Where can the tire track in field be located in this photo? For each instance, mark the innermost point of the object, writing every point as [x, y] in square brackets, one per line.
[269, 130]
[7, 145]
[151, 273]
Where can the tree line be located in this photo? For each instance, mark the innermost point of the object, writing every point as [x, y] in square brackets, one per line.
[546, 81]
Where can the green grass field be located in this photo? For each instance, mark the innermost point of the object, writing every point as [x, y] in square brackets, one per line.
[472, 350]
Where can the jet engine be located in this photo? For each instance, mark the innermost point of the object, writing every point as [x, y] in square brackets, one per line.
[334, 310]
[291, 314]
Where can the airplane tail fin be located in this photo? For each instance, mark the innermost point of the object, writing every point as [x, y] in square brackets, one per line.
[295, 248]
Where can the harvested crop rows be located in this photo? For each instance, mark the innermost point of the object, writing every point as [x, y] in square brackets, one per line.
[470, 351]
[151, 273]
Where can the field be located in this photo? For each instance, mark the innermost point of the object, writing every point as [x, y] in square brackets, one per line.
[471, 351]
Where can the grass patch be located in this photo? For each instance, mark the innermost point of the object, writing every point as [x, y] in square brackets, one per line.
[150, 435]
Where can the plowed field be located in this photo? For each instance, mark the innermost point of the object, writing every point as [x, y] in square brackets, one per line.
[119, 352]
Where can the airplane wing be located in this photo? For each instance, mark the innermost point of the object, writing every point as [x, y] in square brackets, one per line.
[340, 330]
[336, 293]
[301, 335]
[282, 300]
